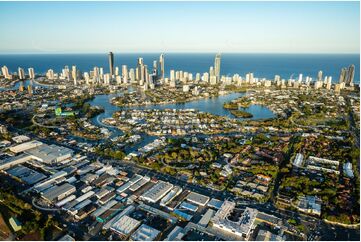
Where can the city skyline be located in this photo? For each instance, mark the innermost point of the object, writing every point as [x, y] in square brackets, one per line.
[209, 27]
[180, 121]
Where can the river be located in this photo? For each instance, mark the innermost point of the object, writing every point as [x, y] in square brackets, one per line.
[211, 105]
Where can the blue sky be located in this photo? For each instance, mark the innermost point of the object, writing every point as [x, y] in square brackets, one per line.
[246, 27]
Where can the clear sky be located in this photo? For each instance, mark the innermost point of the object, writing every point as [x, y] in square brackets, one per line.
[253, 27]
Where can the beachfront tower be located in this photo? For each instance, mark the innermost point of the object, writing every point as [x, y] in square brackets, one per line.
[319, 76]
[31, 73]
[111, 63]
[350, 75]
[161, 63]
[21, 73]
[217, 66]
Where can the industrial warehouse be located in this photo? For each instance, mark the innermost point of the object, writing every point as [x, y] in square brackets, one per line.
[122, 204]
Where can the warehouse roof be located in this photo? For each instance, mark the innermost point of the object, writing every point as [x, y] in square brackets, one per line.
[215, 203]
[26, 174]
[157, 191]
[125, 225]
[197, 198]
[54, 192]
[145, 233]
[25, 146]
[189, 206]
[50, 153]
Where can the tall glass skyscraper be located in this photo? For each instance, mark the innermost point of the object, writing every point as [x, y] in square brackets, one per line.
[217, 66]
[111, 63]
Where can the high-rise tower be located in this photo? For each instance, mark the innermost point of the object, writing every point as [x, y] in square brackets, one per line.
[161, 63]
[217, 66]
[350, 75]
[21, 73]
[155, 68]
[319, 76]
[5, 72]
[31, 73]
[343, 75]
[111, 63]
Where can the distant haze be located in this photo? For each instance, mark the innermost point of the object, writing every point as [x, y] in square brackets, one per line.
[245, 27]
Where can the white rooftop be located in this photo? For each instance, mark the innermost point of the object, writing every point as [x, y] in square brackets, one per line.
[145, 233]
[157, 192]
[197, 198]
[50, 153]
[125, 225]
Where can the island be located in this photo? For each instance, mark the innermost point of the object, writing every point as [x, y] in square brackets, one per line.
[241, 114]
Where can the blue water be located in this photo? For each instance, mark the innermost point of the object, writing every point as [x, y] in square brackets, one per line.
[215, 106]
[262, 65]
[210, 105]
[25, 84]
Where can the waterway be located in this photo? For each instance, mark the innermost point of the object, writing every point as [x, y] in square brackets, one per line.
[17, 84]
[210, 105]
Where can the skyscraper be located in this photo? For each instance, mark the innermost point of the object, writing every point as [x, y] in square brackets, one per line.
[140, 61]
[172, 75]
[67, 72]
[319, 77]
[300, 77]
[5, 72]
[277, 78]
[161, 63]
[132, 75]
[111, 63]
[74, 74]
[343, 75]
[141, 71]
[87, 78]
[125, 75]
[155, 68]
[146, 74]
[350, 75]
[50, 74]
[198, 77]
[96, 74]
[21, 73]
[106, 79]
[211, 71]
[31, 73]
[217, 66]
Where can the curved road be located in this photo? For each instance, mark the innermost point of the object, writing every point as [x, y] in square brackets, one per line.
[41, 125]
[42, 208]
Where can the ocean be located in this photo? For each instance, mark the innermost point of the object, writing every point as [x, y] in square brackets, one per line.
[262, 65]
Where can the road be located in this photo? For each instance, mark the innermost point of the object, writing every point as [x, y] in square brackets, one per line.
[33, 120]
[222, 195]
[131, 167]
[353, 129]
